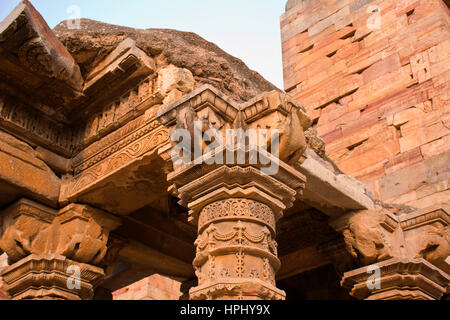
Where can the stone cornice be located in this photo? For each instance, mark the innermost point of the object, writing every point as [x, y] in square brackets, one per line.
[436, 213]
[205, 96]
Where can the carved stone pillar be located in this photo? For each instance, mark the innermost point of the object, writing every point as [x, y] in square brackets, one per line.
[407, 254]
[235, 205]
[236, 210]
[54, 254]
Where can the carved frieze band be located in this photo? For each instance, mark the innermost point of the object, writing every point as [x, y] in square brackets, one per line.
[18, 117]
[145, 140]
[237, 209]
[118, 112]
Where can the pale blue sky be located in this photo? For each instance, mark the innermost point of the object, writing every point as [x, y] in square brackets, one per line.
[247, 29]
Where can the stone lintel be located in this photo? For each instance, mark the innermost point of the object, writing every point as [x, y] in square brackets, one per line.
[328, 191]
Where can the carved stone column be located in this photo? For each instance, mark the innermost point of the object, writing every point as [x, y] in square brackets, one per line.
[236, 209]
[54, 254]
[235, 205]
[404, 256]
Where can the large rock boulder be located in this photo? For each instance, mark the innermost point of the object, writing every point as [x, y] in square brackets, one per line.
[94, 40]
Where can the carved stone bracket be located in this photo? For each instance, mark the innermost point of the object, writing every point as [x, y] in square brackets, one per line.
[375, 236]
[41, 243]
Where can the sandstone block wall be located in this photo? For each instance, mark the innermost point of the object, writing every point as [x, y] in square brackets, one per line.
[374, 76]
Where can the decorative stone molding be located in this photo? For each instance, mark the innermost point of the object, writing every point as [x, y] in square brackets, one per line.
[127, 59]
[110, 154]
[51, 74]
[399, 279]
[21, 118]
[51, 277]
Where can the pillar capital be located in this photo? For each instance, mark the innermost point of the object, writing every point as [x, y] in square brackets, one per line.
[51, 276]
[46, 246]
[411, 248]
[235, 208]
[397, 279]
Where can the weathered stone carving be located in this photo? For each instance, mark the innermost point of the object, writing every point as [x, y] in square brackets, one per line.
[274, 110]
[22, 224]
[81, 233]
[48, 276]
[42, 64]
[18, 117]
[380, 239]
[173, 82]
[400, 279]
[366, 239]
[78, 232]
[42, 244]
[235, 206]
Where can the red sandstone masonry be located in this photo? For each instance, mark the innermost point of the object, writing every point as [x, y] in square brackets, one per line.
[379, 98]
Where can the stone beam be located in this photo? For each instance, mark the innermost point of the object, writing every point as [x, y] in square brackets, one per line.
[329, 192]
[301, 261]
[22, 173]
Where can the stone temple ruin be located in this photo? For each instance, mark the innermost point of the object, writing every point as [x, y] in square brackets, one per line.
[88, 189]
